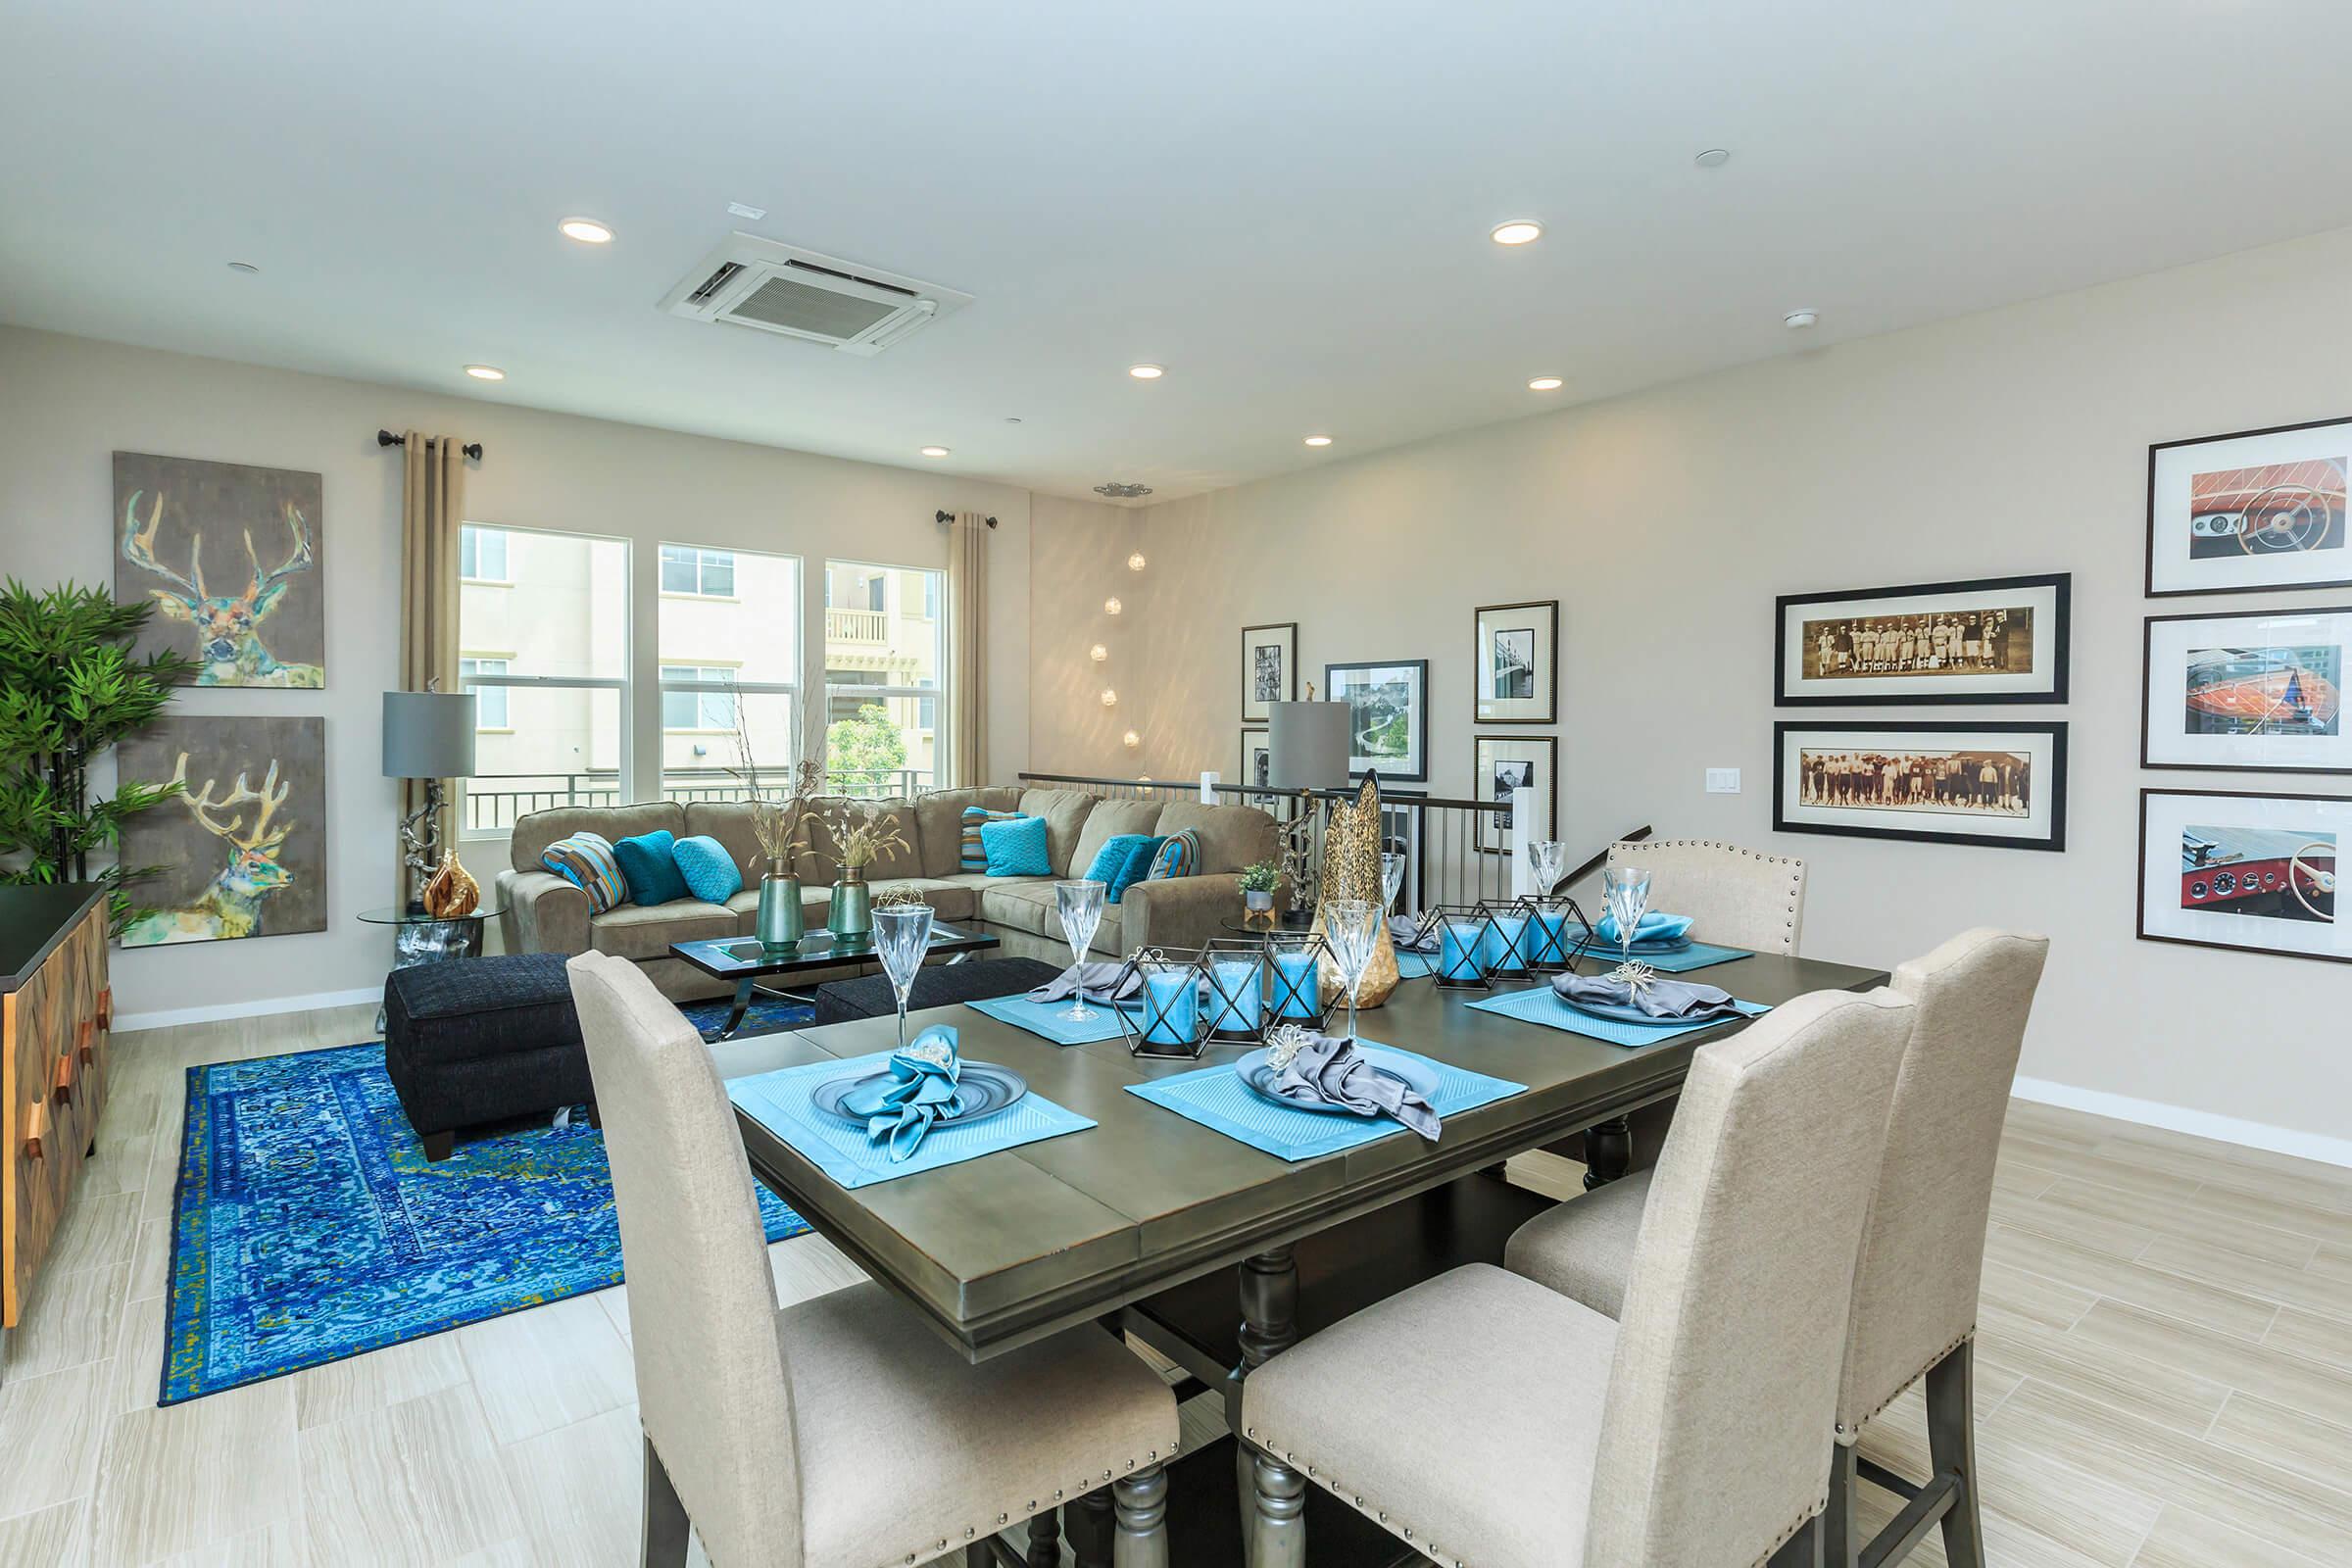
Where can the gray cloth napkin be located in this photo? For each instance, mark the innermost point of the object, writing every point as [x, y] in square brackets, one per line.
[1331, 1069]
[1658, 997]
[1100, 977]
[1404, 931]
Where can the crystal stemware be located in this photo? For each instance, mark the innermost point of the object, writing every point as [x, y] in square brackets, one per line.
[1547, 859]
[1627, 890]
[1352, 928]
[1081, 907]
[1392, 879]
[902, 936]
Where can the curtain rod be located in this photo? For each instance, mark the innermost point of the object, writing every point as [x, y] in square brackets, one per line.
[945, 517]
[385, 438]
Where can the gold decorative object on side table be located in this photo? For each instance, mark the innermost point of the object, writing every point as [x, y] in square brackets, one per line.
[1352, 870]
[451, 893]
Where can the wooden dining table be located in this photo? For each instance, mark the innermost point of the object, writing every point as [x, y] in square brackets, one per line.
[1214, 1253]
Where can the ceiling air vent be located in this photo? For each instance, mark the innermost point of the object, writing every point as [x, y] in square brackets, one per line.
[779, 289]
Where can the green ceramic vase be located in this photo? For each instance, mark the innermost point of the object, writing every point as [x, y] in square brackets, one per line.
[852, 918]
[781, 923]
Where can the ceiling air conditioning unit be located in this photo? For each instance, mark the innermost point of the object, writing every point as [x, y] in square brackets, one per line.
[774, 287]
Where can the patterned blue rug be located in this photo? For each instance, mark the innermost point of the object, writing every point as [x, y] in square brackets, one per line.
[308, 1225]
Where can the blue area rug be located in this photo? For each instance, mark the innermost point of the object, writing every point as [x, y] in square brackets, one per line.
[308, 1225]
[767, 1016]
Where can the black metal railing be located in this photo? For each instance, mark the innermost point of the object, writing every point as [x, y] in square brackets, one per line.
[493, 802]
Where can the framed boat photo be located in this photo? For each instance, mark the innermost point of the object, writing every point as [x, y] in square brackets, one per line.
[2246, 691]
[1994, 784]
[2255, 872]
[1991, 640]
[2254, 509]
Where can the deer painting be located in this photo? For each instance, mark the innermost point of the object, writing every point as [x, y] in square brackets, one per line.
[231, 906]
[229, 649]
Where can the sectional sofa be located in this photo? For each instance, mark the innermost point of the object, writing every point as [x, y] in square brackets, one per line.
[541, 912]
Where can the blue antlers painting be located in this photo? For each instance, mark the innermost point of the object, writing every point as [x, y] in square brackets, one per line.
[231, 557]
[240, 851]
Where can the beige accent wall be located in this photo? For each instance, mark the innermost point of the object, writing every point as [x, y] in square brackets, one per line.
[67, 403]
[1665, 522]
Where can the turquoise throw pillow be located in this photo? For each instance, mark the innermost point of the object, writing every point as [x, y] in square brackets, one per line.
[1111, 861]
[649, 863]
[1016, 848]
[710, 872]
[972, 858]
[1138, 867]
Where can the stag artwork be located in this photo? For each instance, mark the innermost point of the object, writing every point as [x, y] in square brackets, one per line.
[231, 907]
[267, 629]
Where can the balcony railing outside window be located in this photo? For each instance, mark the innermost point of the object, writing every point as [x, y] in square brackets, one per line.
[857, 626]
[493, 804]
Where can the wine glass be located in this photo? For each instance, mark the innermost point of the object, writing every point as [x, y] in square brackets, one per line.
[902, 936]
[1352, 928]
[1392, 879]
[1627, 890]
[1081, 907]
[1547, 859]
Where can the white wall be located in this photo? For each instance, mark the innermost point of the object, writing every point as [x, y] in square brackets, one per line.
[2004, 443]
[66, 404]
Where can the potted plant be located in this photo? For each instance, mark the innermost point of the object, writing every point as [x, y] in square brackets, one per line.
[1258, 883]
[859, 836]
[775, 823]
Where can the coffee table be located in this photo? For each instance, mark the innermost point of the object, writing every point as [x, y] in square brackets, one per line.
[746, 962]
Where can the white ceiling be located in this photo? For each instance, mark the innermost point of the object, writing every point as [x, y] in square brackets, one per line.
[1286, 202]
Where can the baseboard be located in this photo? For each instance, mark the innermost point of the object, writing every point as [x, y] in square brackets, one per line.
[127, 1022]
[2180, 1119]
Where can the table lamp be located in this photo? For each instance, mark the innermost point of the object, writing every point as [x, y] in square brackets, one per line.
[1306, 748]
[429, 735]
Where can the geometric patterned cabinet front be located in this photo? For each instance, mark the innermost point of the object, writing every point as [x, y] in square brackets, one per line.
[53, 1062]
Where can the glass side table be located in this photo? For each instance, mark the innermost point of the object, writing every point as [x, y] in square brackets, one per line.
[421, 938]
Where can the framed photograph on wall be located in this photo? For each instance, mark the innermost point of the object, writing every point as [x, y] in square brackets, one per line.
[1992, 640]
[1502, 763]
[1401, 834]
[2257, 509]
[2258, 873]
[1269, 669]
[2002, 785]
[1516, 658]
[2244, 690]
[1257, 760]
[1388, 715]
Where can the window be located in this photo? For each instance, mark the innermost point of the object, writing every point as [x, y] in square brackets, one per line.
[706, 574]
[552, 696]
[692, 709]
[489, 702]
[885, 669]
[482, 553]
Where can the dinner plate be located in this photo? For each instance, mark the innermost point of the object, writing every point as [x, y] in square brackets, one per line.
[1259, 1074]
[1627, 1012]
[985, 1089]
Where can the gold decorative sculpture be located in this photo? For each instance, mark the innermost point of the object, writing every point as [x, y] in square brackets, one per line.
[1352, 870]
[451, 893]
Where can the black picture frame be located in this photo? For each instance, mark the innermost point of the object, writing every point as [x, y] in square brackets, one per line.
[2156, 449]
[1290, 670]
[2053, 840]
[2140, 910]
[2059, 584]
[1546, 669]
[1417, 739]
[1482, 784]
[2147, 691]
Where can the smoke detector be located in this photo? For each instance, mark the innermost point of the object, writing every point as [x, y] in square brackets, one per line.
[1122, 492]
[779, 289]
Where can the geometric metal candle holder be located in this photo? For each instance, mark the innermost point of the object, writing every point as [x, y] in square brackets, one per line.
[1509, 945]
[1171, 1024]
[1552, 948]
[1296, 998]
[1465, 972]
[1235, 996]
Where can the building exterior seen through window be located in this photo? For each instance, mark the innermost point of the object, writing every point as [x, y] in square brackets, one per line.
[884, 663]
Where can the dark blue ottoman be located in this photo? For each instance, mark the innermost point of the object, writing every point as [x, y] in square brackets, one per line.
[473, 1041]
[939, 985]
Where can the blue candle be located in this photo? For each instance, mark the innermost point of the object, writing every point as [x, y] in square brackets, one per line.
[1298, 983]
[1490, 953]
[1171, 1006]
[1548, 943]
[1233, 995]
[1457, 950]
[1510, 932]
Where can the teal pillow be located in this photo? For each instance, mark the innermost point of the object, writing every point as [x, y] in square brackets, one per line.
[649, 863]
[1112, 863]
[710, 872]
[1138, 867]
[1016, 848]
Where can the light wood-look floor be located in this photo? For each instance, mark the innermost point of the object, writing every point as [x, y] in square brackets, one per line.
[2164, 1375]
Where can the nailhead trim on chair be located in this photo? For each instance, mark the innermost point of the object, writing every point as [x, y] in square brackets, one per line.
[1849, 1435]
[1084, 1484]
[1796, 866]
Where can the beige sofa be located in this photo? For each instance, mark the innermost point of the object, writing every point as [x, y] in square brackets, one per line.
[543, 913]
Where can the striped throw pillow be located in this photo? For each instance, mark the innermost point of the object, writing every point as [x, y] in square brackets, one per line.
[586, 861]
[1179, 855]
[974, 856]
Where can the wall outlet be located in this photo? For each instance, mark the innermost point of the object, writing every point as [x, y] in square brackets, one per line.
[1723, 781]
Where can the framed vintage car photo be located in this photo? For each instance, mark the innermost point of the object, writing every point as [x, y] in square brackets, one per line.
[1996, 784]
[1992, 640]
[2257, 872]
[2253, 509]
[2246, 690]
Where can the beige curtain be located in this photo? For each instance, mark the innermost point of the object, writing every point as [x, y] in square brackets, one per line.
[967, 658]
[432, 511]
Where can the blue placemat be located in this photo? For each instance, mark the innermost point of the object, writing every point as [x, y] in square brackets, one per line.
[1697, 955]
[779, 1102]
[1538, 1005]
[1043, 1018]
[1416, 966]
[1216, 1097]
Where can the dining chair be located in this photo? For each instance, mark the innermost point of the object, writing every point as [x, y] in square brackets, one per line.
[1488, 1421]
[839, 1432]
[1923, 1254]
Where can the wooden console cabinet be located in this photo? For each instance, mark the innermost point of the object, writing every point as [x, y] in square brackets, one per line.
[55, 1011]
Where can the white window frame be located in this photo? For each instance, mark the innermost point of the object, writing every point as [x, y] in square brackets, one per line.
[887, 694]
[702, 564]
[470, 680]
[502, 579]
[700, 682]
[733, 685]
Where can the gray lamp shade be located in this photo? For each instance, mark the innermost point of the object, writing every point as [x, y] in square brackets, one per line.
[428, 734]
[1306, 746]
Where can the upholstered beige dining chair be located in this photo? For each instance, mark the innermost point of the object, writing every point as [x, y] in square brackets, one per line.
[1922, 1257]
[840, 1432]
[1488, 1421]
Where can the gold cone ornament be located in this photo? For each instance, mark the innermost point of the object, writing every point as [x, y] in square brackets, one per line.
[1352, 870]
[451, 893]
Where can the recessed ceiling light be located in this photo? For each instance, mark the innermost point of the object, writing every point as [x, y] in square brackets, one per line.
[1799, 320]
[935, 452]
[744, 210]
[1544, 383]
[1318, 440]
[1012, 418]
[486, 373]
[243, 266]
[1713, 158]
[587, 230]
[1518, 231]
[1147, 373]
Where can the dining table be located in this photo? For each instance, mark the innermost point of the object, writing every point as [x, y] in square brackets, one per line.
[1214, 1253]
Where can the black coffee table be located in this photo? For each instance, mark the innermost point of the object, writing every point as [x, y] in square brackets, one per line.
[746, 962]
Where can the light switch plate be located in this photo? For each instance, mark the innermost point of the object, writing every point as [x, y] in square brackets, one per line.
[1723, 781]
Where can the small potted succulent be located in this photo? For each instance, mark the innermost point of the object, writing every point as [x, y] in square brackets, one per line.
[1258, 883]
